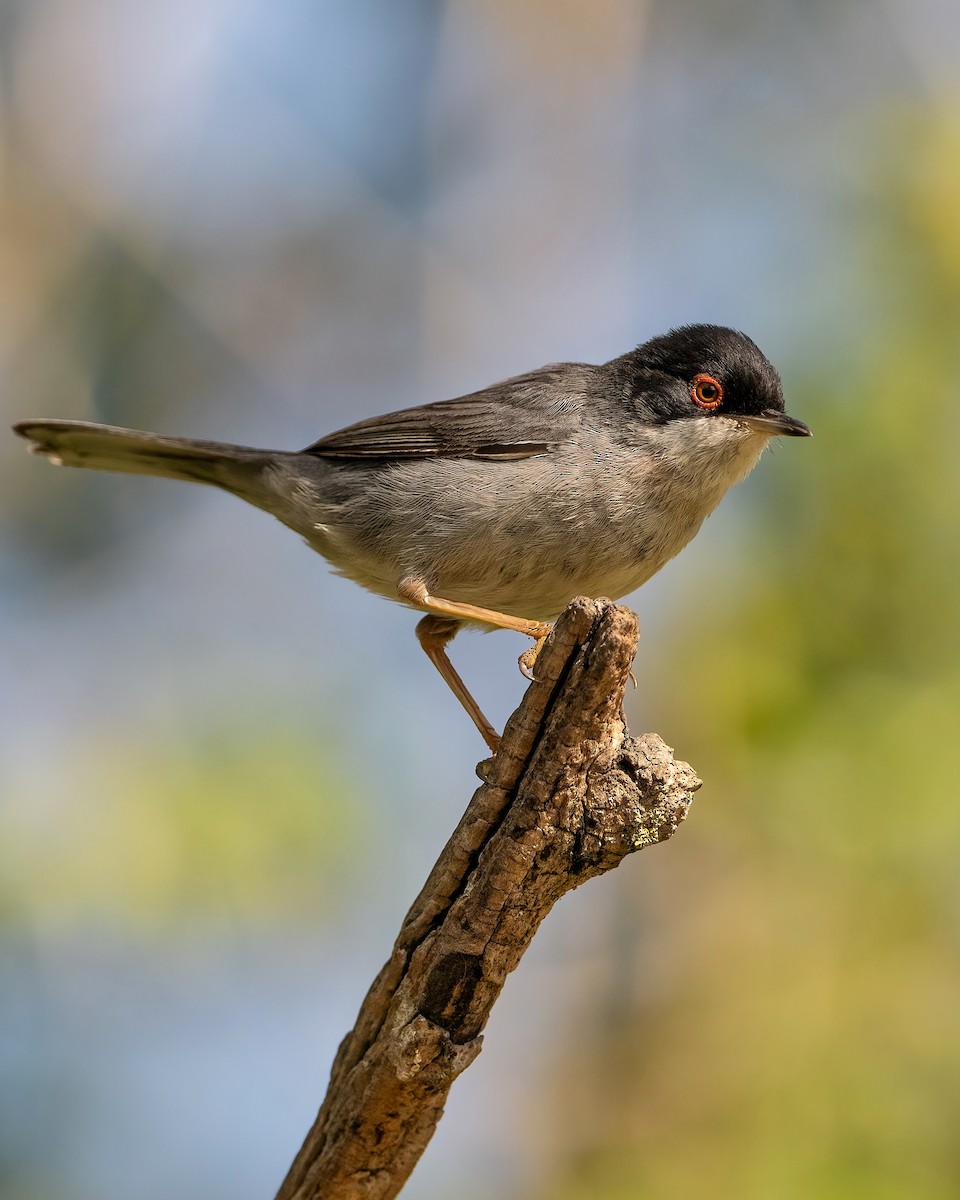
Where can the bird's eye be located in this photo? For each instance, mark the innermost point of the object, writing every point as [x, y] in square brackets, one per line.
[706, 392]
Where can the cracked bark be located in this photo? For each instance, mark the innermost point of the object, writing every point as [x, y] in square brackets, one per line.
[567, 796]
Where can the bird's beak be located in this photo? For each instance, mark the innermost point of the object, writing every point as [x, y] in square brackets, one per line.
[774, 423]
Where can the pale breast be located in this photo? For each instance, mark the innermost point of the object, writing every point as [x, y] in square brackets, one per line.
[522, 537]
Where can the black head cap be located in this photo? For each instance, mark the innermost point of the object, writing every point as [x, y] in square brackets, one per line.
[706, 370]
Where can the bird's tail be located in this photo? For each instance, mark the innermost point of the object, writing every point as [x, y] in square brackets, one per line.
[106, 448]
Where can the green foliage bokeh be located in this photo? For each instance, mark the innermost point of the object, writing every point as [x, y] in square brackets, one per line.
[809, 1044]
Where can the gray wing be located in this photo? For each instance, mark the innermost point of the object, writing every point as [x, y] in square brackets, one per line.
[526, 415]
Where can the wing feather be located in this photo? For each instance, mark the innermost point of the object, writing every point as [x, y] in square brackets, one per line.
[520, 417]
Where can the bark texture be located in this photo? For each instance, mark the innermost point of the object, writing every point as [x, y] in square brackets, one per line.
[566, 797]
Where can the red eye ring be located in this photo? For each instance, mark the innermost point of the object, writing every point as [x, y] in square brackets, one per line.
[706, 392]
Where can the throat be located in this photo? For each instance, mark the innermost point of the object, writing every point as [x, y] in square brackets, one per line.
[695, 467]
[708, 454]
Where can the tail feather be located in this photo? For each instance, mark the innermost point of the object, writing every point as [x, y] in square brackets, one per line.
[107, 448]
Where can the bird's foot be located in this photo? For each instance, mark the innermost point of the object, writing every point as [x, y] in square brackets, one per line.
[528, 658]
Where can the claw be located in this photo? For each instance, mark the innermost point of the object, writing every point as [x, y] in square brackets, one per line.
[528, 658]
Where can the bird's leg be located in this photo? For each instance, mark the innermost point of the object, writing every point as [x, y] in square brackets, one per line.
[448, 616]
[415, 592]
[434, 632]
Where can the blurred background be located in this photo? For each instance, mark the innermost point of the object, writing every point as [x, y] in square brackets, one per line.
[225, 772]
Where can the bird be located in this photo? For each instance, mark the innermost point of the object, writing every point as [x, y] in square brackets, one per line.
[496, 508]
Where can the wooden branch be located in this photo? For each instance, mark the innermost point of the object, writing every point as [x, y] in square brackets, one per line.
[566, 797]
